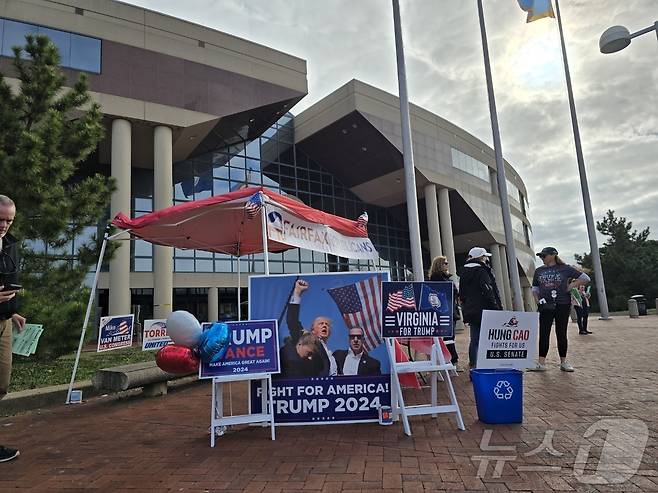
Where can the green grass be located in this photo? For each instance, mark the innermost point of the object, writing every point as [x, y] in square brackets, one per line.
[28, 373]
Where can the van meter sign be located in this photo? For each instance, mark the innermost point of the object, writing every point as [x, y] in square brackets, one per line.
[155, 335]
[417, 309]
[115, 332]
[508, 340]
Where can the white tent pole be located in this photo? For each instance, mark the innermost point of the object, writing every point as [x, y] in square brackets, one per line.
[239, 282]
[92, 295]
[266, 253]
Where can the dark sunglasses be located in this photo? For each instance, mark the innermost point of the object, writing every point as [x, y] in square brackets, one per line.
[355, 336]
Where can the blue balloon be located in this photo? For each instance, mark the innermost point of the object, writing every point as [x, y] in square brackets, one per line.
[214, 343]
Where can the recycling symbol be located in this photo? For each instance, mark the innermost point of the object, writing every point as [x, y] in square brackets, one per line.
[503, 390]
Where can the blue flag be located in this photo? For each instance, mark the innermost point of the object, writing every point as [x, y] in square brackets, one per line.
[537, 9]
[433, 300]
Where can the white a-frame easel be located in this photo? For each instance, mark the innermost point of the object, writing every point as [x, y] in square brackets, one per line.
[437, 367]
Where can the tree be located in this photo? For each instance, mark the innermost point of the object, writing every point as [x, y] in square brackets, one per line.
[47, 132]
[629, 260]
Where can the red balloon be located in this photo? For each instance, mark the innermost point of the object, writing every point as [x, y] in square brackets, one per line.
[179, 360]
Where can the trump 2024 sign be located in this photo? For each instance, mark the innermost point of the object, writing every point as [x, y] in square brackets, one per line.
[417, 309]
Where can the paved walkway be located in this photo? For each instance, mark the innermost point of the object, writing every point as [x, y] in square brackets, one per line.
[161, 444]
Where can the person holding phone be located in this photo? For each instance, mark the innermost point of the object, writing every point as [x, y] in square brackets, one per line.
[9, 289]
[551, 286]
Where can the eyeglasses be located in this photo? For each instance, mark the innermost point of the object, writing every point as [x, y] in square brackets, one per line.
[356, 336]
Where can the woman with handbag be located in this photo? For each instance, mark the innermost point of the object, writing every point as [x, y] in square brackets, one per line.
[551, 286]
[439, 271]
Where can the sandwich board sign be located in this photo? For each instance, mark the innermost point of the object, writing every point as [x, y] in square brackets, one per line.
[508, 340]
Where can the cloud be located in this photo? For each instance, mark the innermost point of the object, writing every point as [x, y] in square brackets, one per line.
[616, 94]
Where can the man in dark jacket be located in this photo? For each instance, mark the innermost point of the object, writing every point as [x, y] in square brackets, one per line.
[320, 328]
[8, 305]
[300, 359]
[355, 360]
[477, 292]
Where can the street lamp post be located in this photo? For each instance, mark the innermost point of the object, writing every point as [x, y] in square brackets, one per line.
[407, 151]
[616, 38]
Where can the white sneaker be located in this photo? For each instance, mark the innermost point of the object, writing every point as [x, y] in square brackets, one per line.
[566, 366]
[538, 367]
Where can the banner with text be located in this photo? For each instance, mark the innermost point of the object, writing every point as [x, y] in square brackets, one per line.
[508, 339]
[253, 348]
[417, 309]
[155, 335]
[284, 227]
[334, 365]
[115, 332]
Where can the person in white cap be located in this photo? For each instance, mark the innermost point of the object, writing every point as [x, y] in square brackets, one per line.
[477, 291]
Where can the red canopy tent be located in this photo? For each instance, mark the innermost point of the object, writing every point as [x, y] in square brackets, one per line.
[222, 224]
[227, 224]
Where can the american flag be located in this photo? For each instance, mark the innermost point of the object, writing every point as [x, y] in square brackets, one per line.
[360, 304]
[253, 206]
[124, 328]
[362, 221]
[401, 299]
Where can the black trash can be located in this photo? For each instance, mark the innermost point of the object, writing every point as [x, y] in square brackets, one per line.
[641, 303]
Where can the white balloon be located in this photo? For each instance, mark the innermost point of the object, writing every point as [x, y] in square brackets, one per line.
[184, 329]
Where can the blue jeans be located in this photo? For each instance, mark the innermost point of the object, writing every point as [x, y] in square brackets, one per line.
[475, 342]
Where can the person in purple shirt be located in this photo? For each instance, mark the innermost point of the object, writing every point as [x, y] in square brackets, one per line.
[551, 286]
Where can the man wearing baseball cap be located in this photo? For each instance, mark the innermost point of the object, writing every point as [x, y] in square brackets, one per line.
[477, 291]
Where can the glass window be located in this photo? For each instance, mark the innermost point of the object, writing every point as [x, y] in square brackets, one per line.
[204, 265]
[62, 40]
[223, 265]
[253, 149]
[143, 265]
[220, 187]
[143, 248]
[178, 252]
[143, 204]
[85, 53]
[184, 265]
[14, 35]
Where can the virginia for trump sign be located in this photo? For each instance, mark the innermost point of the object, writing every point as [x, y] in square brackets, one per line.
[417, 309]
[284, 227]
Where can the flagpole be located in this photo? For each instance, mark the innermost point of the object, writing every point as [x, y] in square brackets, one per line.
[517, 300]
[407, 152]
[584, 186]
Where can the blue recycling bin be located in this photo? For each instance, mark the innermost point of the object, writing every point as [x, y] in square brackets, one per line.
[498, 395]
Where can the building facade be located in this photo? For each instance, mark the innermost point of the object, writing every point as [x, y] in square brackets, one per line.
[191, 112]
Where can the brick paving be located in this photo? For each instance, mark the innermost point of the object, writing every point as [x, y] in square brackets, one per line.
[161, 444]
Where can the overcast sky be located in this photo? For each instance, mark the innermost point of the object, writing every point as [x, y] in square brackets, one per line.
[616, 95]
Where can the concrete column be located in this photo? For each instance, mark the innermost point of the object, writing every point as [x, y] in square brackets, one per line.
[163, 262]
[506, 280]
[530, 305]
[433, 228]
[446, 228]
[497, 266]
[120, 202]
[213, 304]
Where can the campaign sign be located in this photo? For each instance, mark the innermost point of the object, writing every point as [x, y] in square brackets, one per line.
[115, 332]
[334, 364]
[326, 399]
[253, 348]
[417, 309]
[508, 339]
[155, 335]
